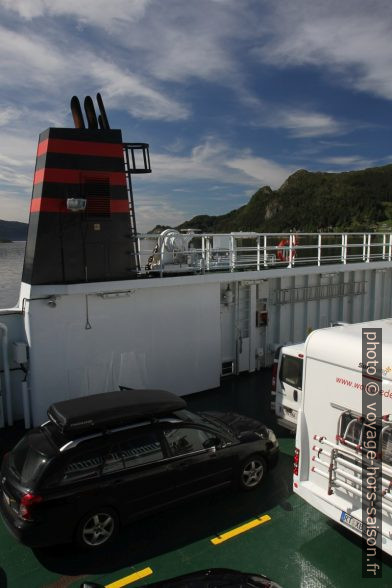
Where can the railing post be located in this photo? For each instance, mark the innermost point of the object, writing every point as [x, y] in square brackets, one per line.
[341, 249]
[384, 240]
[203, 253]
[161, 262]
[344, 248]
[291, 250]
[208, 253]
[265, 251]
[364, 247]
[258, 253]
[319, 249]
[369, 248]
[368, 253]
[139, 254]
[232, 253]
[390, 248]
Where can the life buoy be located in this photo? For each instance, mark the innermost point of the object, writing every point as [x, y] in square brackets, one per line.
[283, 252]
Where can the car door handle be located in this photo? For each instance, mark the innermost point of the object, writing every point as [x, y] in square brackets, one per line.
[183, 465]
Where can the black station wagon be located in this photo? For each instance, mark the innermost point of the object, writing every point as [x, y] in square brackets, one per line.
[105, 460]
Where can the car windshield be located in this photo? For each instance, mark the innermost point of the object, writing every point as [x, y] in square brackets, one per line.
[219, 424]
[192, 417]
[203, 419]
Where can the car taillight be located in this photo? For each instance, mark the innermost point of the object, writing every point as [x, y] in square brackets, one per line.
[26, 503]
[296, 462]
[274, 373]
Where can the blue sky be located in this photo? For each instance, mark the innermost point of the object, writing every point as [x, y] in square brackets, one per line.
[230, 94]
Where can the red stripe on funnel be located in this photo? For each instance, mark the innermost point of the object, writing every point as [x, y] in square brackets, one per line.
[60, 205]
[48, 205]
[119, 206]
[80, 148]
[73, 176]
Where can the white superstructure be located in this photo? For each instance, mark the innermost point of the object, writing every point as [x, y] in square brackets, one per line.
[179, 332]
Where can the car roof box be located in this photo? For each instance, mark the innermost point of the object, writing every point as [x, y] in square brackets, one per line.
[111, 409]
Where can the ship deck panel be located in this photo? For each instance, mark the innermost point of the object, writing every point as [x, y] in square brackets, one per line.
[298, 547]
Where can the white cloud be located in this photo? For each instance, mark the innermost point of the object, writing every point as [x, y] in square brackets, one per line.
[17, 157]
[215, 160]
[150, 212]
[264, 170]
[43, 69]
[174, 41]
[128, 91]
[345, 160]
[94, 12]
[354, 162]
[13, 206]
[350, 39]
[306, 123]
[8, 114]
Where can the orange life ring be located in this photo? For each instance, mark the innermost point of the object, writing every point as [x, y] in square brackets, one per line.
[283, 253]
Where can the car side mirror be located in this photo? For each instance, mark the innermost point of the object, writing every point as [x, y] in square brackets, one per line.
[212, 442]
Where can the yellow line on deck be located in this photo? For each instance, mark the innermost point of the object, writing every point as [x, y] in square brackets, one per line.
[129, 579]
[239, 530]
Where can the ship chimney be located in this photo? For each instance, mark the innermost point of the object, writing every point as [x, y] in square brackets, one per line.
[82, 223]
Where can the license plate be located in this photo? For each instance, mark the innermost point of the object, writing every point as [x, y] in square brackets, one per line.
[352, 522]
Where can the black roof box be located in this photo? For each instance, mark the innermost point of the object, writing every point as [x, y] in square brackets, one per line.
[111, 409]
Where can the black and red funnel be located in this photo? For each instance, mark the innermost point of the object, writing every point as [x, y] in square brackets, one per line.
[82, 224]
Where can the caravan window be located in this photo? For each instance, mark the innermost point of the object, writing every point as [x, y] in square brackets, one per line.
[351, 429]
[291, 371]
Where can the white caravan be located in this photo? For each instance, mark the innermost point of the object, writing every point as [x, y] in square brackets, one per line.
[286, 393]
[331, 437]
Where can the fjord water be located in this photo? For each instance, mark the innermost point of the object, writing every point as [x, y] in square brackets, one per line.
[11, 265]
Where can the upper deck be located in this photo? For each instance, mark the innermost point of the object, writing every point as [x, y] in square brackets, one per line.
[192, 252]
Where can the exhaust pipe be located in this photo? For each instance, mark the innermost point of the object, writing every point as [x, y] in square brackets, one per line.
[90, 113]
[77, 113]
[103, 119]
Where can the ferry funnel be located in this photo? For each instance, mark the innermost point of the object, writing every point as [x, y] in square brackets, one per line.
[82, 224]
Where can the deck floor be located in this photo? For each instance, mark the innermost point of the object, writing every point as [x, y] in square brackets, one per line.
[298, 547]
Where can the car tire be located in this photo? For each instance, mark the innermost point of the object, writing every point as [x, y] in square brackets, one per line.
[97, 528]
[252, 472]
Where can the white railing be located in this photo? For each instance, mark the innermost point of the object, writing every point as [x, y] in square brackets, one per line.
[201, 253]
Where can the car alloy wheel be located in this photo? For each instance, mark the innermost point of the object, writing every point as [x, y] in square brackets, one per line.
[252, 472]
[97, 528]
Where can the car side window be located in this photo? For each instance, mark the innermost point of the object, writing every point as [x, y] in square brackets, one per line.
[138, 450]
[113, 461]
[187, 440]
[141, 449]
[84, 467]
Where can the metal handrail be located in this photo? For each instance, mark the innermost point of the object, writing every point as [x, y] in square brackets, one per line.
[208, 252]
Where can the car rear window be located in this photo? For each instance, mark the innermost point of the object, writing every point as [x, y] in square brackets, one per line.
[291, 371]
[27, 462]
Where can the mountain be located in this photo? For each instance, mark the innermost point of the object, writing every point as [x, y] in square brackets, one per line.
[307, 201]
[13, 231]
[310, 201]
